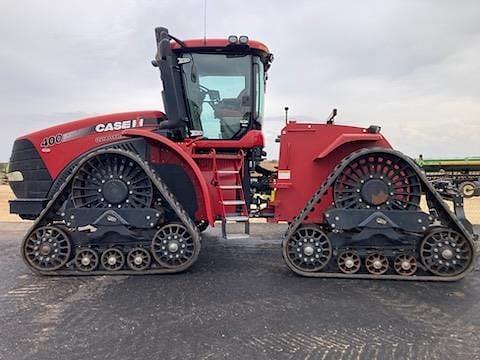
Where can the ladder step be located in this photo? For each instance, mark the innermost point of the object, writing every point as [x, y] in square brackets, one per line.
[217, 156]
[237, 236]
[239, 218]
[227, 171]
[229, 187]
[227, 236]
[233, 202]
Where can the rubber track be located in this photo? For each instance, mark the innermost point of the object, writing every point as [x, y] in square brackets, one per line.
[432, 195]
[62, 194]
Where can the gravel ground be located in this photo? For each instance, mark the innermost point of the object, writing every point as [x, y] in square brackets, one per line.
[239, 301]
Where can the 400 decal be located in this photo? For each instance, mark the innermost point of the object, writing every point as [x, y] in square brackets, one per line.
[51, 140]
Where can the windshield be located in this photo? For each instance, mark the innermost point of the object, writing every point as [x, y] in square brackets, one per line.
[220, 95]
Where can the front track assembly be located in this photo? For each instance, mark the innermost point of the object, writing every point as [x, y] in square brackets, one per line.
[374, 229]
[112, 189]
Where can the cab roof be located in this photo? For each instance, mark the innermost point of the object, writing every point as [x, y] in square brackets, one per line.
[217, 43]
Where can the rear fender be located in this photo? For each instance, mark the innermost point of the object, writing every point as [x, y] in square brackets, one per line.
[188, 162]
[349, 138]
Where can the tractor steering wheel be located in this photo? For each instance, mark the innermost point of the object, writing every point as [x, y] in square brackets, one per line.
[206, 91]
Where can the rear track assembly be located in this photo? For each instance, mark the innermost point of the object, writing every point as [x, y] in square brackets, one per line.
[445, 249]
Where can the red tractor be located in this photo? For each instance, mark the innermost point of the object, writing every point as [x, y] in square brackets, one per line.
[130, 193]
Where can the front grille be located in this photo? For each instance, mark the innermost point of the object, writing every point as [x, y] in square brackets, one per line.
[36, 178]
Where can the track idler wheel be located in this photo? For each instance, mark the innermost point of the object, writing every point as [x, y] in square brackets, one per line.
[112, 259]
[138, 259]
[446, 252]
[173, 247]
[348, 262]
[86, 260]
[47, 249]
[405, 265]
[308, 249]
[376, 264]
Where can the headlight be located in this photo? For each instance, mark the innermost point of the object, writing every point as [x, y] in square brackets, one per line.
[232, 39]
[243, 39]
[15, 176]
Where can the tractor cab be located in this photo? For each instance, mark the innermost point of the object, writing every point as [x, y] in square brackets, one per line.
[212, 88]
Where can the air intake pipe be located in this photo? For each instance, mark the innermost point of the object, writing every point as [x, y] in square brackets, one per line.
[170, 73]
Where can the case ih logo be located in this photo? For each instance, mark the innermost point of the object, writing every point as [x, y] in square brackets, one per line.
[50, 141]
[119, 125]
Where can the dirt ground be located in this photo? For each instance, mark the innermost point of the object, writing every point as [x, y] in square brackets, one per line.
[472, 206]
[5, 195]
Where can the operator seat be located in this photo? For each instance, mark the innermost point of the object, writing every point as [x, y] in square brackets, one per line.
[231, 112]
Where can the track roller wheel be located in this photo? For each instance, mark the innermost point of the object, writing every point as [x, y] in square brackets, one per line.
[112, 259]
[308, 249]
[348, 262]
[405, 265]
[86, 260]
[138, 259]
[174, 247]
[376, 263]
[446, 252]
[47, 248]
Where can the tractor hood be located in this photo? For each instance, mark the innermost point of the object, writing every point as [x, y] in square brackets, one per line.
[69, 140]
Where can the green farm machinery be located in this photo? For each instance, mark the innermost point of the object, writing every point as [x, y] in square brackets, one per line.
[462, 175]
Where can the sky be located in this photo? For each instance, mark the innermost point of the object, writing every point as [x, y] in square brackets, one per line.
[411, 66]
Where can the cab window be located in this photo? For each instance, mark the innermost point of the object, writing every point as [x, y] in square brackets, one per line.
[219, 94]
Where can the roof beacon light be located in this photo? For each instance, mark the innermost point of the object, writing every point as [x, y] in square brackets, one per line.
[243, 39]
[232, 39]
